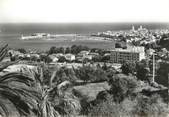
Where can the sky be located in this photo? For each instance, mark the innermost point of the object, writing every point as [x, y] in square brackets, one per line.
[63, 11]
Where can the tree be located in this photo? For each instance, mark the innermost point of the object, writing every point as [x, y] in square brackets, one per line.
[105, 67]
[139, 106]
[88, 73]
[45, 107]
[65, 74]
[83, 73]
[97, 58]
[68, 50]
[14, 89]
[62, 59]
[122, 86]
[150, 106]
[22, 50]
[94, 50]
[60, 50]
[33, 58]
[50, 95]
[118, 45]
[52, 50]
[30, 93]
[12, 58]
[142, 70]
[128, 67]
[43, 57]
[105, 58]
[48, 59]
[163, 74]
[164, 41]
[99, 75]
[76, 49]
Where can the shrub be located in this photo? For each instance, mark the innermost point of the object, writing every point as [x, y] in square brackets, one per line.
[128, 67]
[150, 106]
[88, 73]
[138, 107]
[65, 74]
[62, 59]
[122, 86]
[108, 108]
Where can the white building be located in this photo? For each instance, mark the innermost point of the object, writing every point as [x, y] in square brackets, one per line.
[83, 53]
[70, 57]
[53, 58]
[132, 53]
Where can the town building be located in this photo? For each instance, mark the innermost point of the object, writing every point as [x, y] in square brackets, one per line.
[83, 53]
[53, 58]
[70, 57]
[131, 53]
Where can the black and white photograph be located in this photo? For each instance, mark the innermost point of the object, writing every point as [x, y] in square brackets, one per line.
[84, 58]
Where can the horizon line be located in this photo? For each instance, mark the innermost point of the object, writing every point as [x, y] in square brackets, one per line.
[158, 22]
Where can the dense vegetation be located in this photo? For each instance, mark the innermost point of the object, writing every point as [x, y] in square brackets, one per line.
[74, 49]
[164, 41]
[47, 92]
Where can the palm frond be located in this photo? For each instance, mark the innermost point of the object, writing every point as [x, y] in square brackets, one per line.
[3, 52]
[41, 77]
[14, 97]
[4, 109]
[17, 77]
[52, 78]
[4, 66]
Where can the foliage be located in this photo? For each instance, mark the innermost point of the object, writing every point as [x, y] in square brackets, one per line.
[75, 49]
[53, 50]
[69, 106]
[142, 70]
[122, 86]
[14, 87]
[97, 58]
[150, 106]
[110, 72]
[128, 67]
[3, 52]
[52, 92]
[45, 58]
[133, 107]
[33, 58]
[108, 108]
[22, 50]
[88, 73]
[163, 74]
[164, 41]
[62, 59]
[105, 58]
[43, 93]
[68, 50]
[65, 74]
[118, 45]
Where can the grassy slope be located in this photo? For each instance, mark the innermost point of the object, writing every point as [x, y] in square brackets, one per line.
[90, 91]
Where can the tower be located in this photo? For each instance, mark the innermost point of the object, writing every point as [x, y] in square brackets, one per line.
[141, 27]
[133, 29]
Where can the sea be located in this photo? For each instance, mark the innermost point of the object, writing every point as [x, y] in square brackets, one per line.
[10, 33]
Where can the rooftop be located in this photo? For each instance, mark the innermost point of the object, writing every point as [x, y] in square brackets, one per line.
[134, 49]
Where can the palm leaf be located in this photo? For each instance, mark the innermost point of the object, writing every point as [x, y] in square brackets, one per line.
[4, 109]
[52, 78]
[14, 97]
[7, 64]
[3, 52]
[17, 77]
